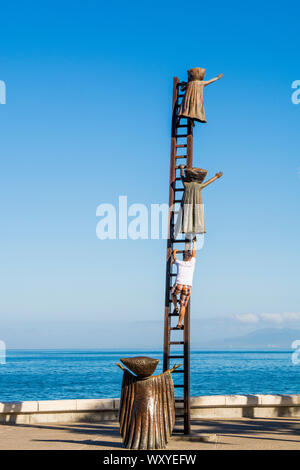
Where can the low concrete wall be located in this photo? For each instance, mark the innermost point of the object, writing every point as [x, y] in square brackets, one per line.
[204, 407]
[245, 406]
[59, 411]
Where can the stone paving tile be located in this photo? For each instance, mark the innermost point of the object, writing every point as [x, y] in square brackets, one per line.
[239, 434]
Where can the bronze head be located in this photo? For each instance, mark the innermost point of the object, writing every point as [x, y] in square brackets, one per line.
[195, 174]
[196, 73]
[142, 366]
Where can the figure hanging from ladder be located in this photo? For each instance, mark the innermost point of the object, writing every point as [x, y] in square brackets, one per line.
[190, 218]
[183, 282]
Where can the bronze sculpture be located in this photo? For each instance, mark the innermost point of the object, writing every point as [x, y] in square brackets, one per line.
[147, 405]
[190, 218]
[192, 105]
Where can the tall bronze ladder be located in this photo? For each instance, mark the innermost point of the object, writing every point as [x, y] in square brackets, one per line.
[181, 153]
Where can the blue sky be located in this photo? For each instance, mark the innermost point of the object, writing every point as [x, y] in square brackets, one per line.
[87, 118]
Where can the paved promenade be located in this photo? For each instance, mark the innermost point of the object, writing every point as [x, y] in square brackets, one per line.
[238, 434]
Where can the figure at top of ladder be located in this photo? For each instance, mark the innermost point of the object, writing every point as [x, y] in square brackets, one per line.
[192, 105]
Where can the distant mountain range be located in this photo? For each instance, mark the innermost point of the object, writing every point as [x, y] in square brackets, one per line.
[211, 333]
[265, 338]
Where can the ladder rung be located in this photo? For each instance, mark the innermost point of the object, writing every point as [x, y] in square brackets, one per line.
[177, 179]
[176, 201]
[180, 241]
[182, 125]
[177, 167]
[179, 386]
[178, 372]
[178, 329]
[181, 146]
[183, 136]
[176, 342]
[176, 357]
[173, 314]
[179, 190]
[180, 157]
[179, 400]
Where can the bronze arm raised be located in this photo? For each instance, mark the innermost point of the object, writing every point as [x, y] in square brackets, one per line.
[216, 177]
[207, 82]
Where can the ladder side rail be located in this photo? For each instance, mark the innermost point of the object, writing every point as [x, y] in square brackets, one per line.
[187, 408]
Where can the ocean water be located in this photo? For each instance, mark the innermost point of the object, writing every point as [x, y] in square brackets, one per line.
[62, 374]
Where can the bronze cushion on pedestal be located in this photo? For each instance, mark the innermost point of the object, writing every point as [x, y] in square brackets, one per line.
[142, 366]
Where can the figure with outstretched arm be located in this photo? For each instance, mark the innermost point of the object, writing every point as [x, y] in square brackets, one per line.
[190, 219]
[183, 282]
[192, 106]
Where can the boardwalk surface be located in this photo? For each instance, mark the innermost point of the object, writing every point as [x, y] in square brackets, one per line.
[238, 434]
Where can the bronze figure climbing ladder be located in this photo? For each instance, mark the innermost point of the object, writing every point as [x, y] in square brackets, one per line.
[181, 153]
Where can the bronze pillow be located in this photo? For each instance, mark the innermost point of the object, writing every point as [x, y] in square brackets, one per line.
[142, 366]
